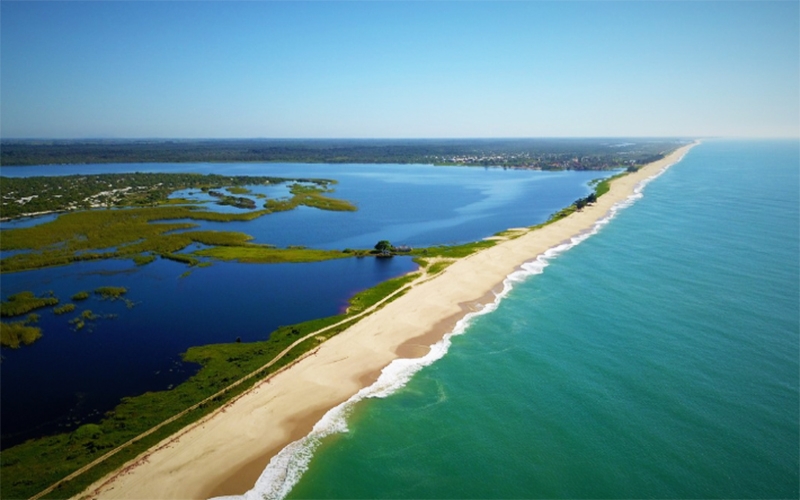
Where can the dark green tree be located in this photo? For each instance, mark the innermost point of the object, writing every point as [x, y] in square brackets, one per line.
[383, 246]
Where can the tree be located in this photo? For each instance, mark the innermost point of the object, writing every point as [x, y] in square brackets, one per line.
[383, 246]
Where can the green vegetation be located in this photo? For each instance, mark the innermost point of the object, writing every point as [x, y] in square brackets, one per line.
[182, 258]
[383, 246]
[25, 195]
[111, 292]
[439, 266]
[234, 201]
[34, 465]
[604, 185]
[582, 202]
[78, 323]
[89, 315]
[141, 260]
[453, 252]
[24, 302]
[104, 234]
[81, 296]
[20, 332]
[264, 254]
[66, 308]
[140, 233]
[546, 154]
[238, 190]
[310, 196]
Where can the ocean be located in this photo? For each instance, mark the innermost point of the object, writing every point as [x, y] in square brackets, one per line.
[657, 358]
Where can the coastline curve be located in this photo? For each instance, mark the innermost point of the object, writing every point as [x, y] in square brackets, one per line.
[287, 467]
[362, 361]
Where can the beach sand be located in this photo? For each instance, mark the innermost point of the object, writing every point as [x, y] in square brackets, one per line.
[225, 453]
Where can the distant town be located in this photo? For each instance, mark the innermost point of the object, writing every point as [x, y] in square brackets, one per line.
[536, 154]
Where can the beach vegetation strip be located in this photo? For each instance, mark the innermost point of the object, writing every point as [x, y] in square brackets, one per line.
[140, 422]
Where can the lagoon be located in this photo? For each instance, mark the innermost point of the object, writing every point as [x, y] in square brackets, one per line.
[72, 377]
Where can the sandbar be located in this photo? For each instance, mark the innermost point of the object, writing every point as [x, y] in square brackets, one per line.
[225, 452]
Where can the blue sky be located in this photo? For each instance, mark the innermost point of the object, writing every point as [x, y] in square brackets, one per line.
[398, 69]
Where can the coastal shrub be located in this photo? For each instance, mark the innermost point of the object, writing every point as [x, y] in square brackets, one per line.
[87, 432]
[440, 266]
[66, 308]
[455, 251]
[141, 260]
[24, 302]
[604, 185]
[182, 258]
[89, 315]
[310, 196]
[111, 292]
[264, 254]
[18, 333]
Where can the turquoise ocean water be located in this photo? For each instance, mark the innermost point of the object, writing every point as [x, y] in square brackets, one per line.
[656, 359]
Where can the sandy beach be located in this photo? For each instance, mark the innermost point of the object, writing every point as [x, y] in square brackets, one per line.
[225, 453]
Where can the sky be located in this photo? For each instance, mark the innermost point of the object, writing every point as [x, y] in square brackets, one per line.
[385, 69]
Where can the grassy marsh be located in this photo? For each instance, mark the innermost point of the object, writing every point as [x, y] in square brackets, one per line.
[25, 302]
[18, 333]
[34, 465]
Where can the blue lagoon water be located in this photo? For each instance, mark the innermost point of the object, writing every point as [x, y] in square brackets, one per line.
[71, 377]
[418, 205]
[656, 359]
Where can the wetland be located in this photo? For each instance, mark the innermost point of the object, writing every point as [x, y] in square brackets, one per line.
[201, 306]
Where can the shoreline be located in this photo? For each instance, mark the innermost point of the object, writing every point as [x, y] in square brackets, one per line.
[225, 452]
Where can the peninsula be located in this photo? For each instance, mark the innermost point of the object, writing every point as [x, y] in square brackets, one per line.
[225, 452]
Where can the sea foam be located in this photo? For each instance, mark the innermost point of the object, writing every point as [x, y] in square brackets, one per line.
[287, 467]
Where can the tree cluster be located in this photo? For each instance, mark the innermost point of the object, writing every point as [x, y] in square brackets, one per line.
[582, 202]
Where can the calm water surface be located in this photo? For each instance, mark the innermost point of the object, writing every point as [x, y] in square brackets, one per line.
[70, 377]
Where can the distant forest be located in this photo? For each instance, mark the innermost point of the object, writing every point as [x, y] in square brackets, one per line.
[546, 154]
